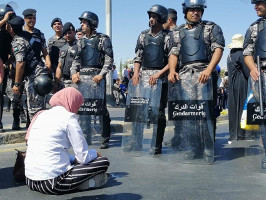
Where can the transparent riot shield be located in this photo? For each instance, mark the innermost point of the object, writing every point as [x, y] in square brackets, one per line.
[191, 121]
[255, 136]
[91, 111]
[141, 116]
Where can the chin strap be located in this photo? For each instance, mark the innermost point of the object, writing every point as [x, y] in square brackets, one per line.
[191, 23]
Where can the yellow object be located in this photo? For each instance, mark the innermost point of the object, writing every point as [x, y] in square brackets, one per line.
[224, 112]
[243, 123]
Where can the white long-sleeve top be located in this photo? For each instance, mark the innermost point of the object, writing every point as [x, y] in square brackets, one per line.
[52, 134]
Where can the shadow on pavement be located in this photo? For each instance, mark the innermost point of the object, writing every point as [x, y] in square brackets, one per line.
[127, 196]
[223, 152]
[116, 141]
[7, 179]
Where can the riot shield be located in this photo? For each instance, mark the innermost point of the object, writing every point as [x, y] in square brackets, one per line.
[91, 111]
[141, 116]
[191, 117]
[255, 137]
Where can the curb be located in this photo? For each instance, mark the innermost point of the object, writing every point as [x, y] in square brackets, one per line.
[10, 136]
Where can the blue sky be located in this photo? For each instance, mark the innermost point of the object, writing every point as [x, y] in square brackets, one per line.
[130, 18]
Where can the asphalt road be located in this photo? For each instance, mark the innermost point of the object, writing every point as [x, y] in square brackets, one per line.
[235, 175]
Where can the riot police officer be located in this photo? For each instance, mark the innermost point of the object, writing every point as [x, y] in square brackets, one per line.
[27, 64]
[151, 57]
[6, 11]
[255, 45]
[172, 19]
[56, 42]
[197, 49]
[39, 42]
[66, 56]
[79, 33]
[94, 59]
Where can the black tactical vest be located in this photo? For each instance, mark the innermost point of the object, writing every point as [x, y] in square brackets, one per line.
[54, 46]
[36, 43]
[153, 53]
[90, 55]
[193, 46]
[260, 45]
[31, 59]
[70, 52]
[5, 45]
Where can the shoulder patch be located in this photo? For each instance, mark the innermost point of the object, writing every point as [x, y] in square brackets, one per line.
[15, 49]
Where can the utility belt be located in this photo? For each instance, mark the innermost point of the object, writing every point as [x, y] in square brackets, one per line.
[197, 65]
[90, 71]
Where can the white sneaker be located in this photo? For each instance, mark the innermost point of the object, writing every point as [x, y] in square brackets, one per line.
[95, 182]
[229, 142]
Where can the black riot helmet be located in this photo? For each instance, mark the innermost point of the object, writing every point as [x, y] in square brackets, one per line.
[42, 85]
[4, 8]
[91, 17]
[161, 11]
[201, 4]
[257, 1]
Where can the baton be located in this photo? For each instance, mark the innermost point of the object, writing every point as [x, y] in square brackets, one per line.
[260, 88]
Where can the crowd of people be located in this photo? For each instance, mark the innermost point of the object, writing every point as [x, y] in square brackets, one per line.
[174, 65]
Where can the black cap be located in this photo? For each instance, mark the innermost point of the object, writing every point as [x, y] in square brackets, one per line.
[68, 27]
[16, 21]
[78, 30]
[29, 12]
[172, 13]
[57, 19]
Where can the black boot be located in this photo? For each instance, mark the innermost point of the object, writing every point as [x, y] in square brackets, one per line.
[16, 120]
[105, 143]
[106, 130]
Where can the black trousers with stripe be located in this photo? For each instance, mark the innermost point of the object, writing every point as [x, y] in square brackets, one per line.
[71, 179]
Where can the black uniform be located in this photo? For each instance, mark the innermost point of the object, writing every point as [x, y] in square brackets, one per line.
[238, 74]
[54, 46]
[5, 48]
[66, 57]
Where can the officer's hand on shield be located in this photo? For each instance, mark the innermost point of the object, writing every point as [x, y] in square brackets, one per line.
[135, 79]
[204, 76]
[75, 78]
[153, 79]
[254, 73]
[173, 77]
[97, 78]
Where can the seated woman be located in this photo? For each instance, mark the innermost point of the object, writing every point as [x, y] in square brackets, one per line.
[49, 167]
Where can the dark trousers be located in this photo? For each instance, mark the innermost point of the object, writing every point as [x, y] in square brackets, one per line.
[2, 91]
[161, 116]
[106, 120]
